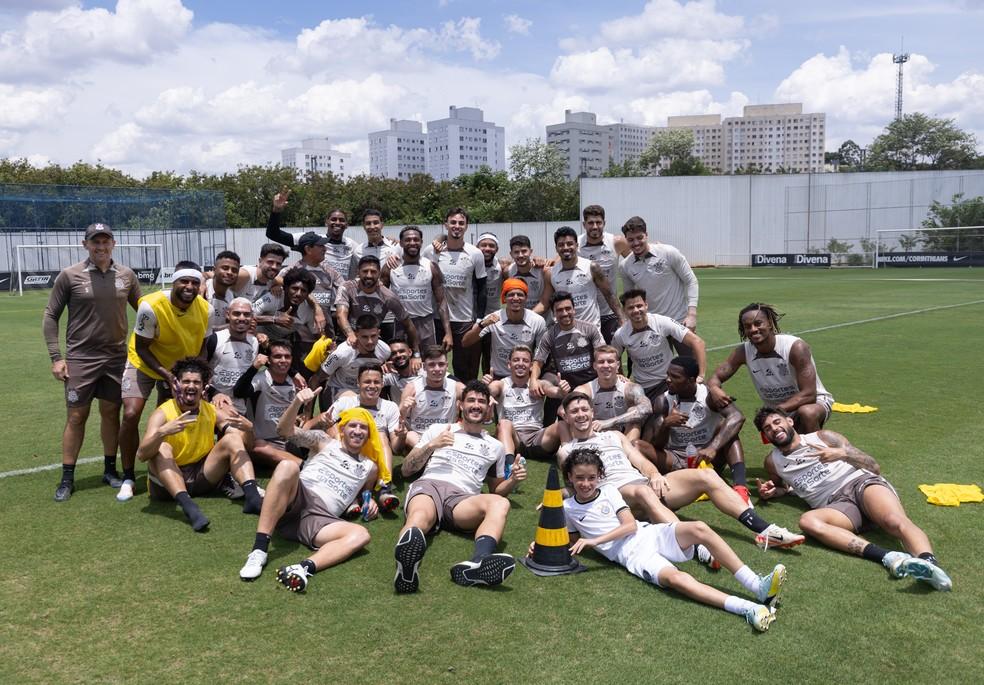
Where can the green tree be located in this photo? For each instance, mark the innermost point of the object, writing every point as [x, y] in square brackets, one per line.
[959, 213]
[917, 141]
[540, 189]
[851, 156]
[671, 153]
[629, 167]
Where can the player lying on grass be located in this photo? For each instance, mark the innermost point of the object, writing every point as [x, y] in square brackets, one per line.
[781, 368]
[306, 504]
[652, 495]
[598, 517]
[846, 494]
[455, 459]
[183, 458]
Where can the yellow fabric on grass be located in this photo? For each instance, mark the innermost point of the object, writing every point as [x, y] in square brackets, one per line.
[951, 494]
[852, 408]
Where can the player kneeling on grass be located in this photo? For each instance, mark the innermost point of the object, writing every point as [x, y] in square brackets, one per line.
[598, 517]
[183, 457]
[846, 494]
[306, 504]
[455, 458]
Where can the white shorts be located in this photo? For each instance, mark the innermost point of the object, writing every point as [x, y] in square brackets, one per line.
[653, 548]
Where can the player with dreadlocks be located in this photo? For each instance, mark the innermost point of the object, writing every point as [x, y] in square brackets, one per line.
[782, 369]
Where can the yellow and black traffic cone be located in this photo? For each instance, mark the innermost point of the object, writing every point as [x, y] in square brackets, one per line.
[551, 548]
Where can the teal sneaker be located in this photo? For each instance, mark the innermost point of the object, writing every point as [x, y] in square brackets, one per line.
[770, 586]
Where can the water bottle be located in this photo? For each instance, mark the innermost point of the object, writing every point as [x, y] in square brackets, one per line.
[366, 496]
[691, 455]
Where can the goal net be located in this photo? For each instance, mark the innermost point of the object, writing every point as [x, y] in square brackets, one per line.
[38, 265]
[950, 246]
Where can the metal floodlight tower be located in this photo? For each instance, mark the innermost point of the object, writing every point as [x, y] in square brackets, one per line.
[899, 59]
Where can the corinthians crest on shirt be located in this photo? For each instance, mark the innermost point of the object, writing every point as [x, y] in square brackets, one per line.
[783, 369]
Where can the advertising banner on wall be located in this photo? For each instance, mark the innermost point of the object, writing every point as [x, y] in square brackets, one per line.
[791, 259]
[931, 259]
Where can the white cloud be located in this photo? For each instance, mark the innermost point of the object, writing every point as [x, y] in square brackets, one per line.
[653, 111]
[859, 97]
[698, 19]
[127, 144]
[517, 24]
[466, 35]
[22, 109]
[47, 43]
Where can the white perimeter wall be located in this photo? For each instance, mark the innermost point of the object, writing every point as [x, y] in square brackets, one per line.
[722, 219]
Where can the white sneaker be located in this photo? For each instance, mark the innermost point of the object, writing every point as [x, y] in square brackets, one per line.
[920, 569]
[893, 562]
[253, 567]
[126, 491]
[704, 556]
[777, 536]
[293, 577]
[760, 617]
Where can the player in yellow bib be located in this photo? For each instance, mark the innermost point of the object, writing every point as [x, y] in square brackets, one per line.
[182, 455]
[170, 326]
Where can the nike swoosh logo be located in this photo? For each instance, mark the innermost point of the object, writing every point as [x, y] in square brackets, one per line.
[960, 259]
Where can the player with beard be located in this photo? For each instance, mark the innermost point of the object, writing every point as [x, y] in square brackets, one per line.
[219, 290]
[291, 318]
[579, 276]
[170, 325]
[463, 267]
[183, 457]
[267, 395]
[523, 268]
[431, 398]
[846, 493]
[231, 351]
[567, 346]
[603, 249]
[341, 368]
[653, 495]
[255, 281]
[327, 281]
[781, 367]
[365, 295]
[419, 284]
[455, 459]
[512, 325]
[399, 377]
[306, 504]
[683, 416]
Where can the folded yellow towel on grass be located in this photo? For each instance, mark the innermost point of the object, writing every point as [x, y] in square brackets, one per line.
[951, 494]
[853, 408]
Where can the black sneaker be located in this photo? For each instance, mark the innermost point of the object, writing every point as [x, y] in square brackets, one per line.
[112, 479]
[490, 570]
[64, 491]
[409, 552]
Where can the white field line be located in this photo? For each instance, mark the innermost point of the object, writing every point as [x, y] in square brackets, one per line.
[46, 467]
[862, 321]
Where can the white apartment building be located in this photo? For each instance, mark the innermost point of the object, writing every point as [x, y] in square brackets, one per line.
[316, 155]
[463, 143]
[768, 138]
[400, 151]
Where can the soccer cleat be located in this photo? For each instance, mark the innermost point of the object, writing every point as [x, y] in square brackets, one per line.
[112, 479]
[926, 571]
[490, 570]
[64, 491]
[230, 488]
[126, 491]
[743, 493]
[760, 617]
[387, 500]
[353, 511]
[777, 536]
[770, 586]
[409, 552]
[253, 567]
[893, 561]
[705, 557]
[293, 577]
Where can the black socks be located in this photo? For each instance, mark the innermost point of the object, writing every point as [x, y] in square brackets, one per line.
[874, 553]
[198, 520]
[253, 502]
[262, 542]
[68, 473]
[484, 546]
[752, 521]
[309, 566]
[738, 473]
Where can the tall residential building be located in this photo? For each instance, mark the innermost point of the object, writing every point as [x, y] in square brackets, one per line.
[769, 138]
[315, 154]
[400, 151]
[463, 143]
[586, 145]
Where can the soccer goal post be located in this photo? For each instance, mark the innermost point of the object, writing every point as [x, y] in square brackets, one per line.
[946, 246]
[129, 254]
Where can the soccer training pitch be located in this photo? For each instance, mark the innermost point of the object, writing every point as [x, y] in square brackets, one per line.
[97, 591]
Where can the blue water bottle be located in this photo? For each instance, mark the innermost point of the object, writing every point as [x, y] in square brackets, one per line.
[366, 496]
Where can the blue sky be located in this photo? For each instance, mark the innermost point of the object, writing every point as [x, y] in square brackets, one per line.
[182, 84]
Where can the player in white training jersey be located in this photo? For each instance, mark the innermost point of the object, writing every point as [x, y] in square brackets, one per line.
[847, 495]
[231, 351]
[619, 404]
[455, 460]
[429, 399]
[598, 517]
[254, 281]
[512, 325]
[219, 290]
[267, 389]
[604, 249]
[781, 368]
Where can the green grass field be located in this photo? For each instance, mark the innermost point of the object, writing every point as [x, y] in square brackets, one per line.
[93, 590]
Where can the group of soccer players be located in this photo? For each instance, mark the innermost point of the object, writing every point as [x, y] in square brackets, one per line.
[326, 368]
